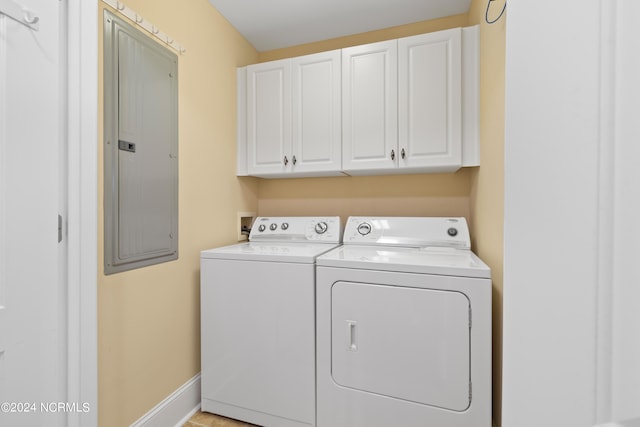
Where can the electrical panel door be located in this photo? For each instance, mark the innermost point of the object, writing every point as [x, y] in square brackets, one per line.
[141, 147]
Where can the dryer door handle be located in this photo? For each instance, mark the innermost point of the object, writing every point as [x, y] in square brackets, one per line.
[352, 343]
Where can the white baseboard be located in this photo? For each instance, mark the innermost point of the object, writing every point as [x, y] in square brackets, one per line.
[176, 409]
[628, 423]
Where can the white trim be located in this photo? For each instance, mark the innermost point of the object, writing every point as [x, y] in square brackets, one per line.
[187, 417]
[83, 209]
[625, 342]
[241, 114]
[628, 423]
[606, 221]
[176, 409]
[3, 178]
[471, 96]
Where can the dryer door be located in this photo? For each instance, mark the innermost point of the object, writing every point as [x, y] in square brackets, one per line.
[401, 342]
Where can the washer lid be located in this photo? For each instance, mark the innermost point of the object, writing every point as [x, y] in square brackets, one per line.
[431, 260]
[304, 253]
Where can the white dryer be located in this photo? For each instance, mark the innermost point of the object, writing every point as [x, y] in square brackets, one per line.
[258, 322]
[403, 314]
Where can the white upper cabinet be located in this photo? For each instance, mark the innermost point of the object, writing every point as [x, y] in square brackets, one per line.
[409, 105]
[430, 101]
[370, 107]
[269, 117]
[402, 105]
[294, 117]
[317, 116]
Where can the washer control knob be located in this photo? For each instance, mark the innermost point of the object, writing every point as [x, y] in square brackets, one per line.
[285, 226]
[364, 228]
[321, 227]
[261, 228]
[453, 232]
[273, 226]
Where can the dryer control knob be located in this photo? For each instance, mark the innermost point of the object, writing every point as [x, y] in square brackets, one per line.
[285, 226]
[273, 227]
[364, 228]
[321, 227]
[262, 228]
[453, 232]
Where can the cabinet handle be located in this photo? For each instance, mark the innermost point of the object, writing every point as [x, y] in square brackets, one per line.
[402, 154]
[393, 154]
[293, 159]
[286, 161]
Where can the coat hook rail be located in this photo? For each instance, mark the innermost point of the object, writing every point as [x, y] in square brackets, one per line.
[139, 20]
[20, 14]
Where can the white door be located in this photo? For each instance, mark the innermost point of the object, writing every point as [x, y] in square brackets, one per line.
[317, 118]
[32, 286]
[369, 107]
[269, 117]
[430, 101]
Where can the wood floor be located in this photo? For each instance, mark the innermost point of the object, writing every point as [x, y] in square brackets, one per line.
[204, 419]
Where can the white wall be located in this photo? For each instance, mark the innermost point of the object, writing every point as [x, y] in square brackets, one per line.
[569, 210]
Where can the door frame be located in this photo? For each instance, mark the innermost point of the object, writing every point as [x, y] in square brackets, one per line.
[82, 229]
[565, 209]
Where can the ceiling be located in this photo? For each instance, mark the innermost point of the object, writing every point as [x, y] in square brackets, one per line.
[274, 24]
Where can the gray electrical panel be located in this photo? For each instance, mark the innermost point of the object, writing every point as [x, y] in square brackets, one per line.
[140, 149]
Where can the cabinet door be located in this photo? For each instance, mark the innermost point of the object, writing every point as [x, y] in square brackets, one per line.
[370, 123]
[429, 101]
[316, 113]
[269, 118]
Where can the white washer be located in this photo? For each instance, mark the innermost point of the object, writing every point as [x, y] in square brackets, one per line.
[403, 326]
[258, 321]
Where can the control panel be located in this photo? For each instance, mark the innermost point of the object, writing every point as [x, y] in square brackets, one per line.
[408, 231]
[310, 229]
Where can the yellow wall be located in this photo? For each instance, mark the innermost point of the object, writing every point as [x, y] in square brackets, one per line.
[487, 181]
[397, 195]
[149, 319]
[368, 37]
